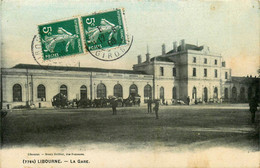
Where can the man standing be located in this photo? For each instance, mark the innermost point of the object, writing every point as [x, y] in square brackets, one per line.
[253, 108]
[114, 105]
[156, 109]
[149, 105]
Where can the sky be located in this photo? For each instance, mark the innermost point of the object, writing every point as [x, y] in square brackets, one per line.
[230, 28]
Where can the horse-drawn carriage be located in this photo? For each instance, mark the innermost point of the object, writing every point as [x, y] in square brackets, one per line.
[84, 102]
[60, 100]
[132, 100]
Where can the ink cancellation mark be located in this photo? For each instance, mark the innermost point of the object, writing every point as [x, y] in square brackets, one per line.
[105, 35]
[59, 39]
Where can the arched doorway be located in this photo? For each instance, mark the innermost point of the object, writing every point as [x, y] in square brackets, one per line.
[118, 90]
[242, 94]
[234, 93]
[133, 90]
[147, 92]
[205, 94]
[226, 93]
[250, 93]
[17, 93]
[64, 90]
[162, 93]
[215, 96]
[83, 92]
[41, 93]
[194, 93]
[101, 91]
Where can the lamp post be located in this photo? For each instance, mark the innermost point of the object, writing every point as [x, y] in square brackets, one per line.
[94, 91]
[157, 91]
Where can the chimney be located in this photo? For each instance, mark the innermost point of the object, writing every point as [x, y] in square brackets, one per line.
[147, 55]
[175, 46]
[163, 49]
[183, 46]
[139, 59]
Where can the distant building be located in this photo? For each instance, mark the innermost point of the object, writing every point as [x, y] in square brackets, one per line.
[186, 70]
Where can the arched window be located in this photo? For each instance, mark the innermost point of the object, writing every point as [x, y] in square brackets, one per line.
[162, 93]
[17, 93]
[205, 95]
[41, 93]
[147, 91]
[215, 93]
[226, 93]
[174, 93]
[242, 94]
[133, 90]
[234, 93]
[101, 91]
[250, 93]
[83, 92]
[194, 93]
[118, 90]
[64, 90]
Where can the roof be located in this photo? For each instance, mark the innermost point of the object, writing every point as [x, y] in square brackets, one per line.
[243, 79]
[188, 47]
[83, 69]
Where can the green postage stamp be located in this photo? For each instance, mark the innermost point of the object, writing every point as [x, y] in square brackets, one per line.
[60, 39]
[103, 30]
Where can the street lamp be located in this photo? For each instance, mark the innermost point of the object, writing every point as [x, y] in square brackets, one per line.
[94, 91]
[157, 91]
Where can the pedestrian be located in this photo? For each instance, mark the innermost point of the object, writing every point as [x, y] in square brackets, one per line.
[114, 105]
[188, 100]
[253, 108]
[156, 109]
[149, 105]
[77, 103]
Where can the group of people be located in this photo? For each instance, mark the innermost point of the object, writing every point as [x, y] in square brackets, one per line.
[114, 104]
[253, 104]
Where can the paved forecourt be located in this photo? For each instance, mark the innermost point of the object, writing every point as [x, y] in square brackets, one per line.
[184, 127]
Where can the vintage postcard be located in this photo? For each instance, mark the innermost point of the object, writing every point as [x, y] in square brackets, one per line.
[130, 84]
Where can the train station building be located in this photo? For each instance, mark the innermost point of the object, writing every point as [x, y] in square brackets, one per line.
[185, 71]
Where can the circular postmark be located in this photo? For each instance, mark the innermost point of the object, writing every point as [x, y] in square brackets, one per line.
[36, 49]
[111, 54]
[105, 34]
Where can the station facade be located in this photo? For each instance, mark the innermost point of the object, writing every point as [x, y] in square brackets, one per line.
[185, 71]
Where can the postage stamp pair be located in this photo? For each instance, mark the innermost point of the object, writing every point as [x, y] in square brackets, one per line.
[98, 31]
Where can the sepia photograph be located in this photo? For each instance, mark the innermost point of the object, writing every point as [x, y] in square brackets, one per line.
[130, 84]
